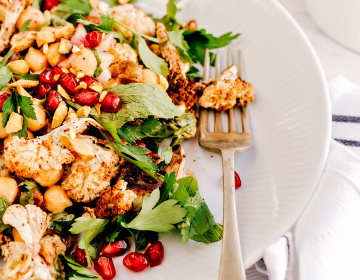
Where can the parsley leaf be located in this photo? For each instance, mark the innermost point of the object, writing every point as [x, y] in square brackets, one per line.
[93, 227]
[25, 26]
[199, 224]
[160, 218]
[169, 181]
[11, 104]
[177, 39]
[141, 101]
[106, 26]
[3, 205]
[170, 20]
[72, 7]
[5, 75]
[167, 154]
[198, 41]
[75, 271]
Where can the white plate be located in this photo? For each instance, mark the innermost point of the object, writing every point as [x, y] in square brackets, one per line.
[290, 119]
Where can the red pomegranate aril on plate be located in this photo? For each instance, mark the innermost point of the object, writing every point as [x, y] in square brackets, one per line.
[68, 82]
[94, 38]
[57, 70]
[53, 100]
[3, 98]
[49, 4]
[80, 256]
[105, 267]
[88, 80]
[47, 76]
[41, 90]
[192, 82]
[150, 154]
[141, 143]
[237, 180]
[155, 253]
[111, 103]
[86, 97]
[136, 261]
[116, 248]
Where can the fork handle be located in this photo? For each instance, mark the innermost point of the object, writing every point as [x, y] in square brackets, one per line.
[231, 265]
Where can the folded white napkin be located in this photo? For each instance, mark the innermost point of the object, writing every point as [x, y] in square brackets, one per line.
[324, 244]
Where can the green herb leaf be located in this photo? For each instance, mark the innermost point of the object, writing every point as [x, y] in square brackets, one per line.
[176, 37]
[143, 238]
[98, 70]
[33, 77]
[5, 75]
[159, 219]
[112, 236]
[170, 20]
[93, 227]
[151, 60]
[198, 41]
[167, 154]
[169, 181]
[75, 271]
[79, 6]
[29, 185]
[3, 205]
[141, 101]
[25, 26]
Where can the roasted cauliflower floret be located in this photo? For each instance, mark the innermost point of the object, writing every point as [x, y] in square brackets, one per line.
[123, 52]
[34, 258]
[179, 88]
[225, 91]
[134, 18]
[89, 213]
[11, 11]
[115, 202]
[86, 181]
[30, 158]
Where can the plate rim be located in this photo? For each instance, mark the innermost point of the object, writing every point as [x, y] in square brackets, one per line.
[257, 254]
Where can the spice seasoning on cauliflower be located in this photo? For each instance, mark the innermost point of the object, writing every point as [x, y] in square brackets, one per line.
[225, 91]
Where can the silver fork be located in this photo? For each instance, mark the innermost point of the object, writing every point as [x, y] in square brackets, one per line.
[227, 144]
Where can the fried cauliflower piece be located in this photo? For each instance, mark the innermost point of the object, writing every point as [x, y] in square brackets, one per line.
[179, 88]
[23, 259]
[115, 202]
[123, 52]
[11, 10]
[30, 158]
[225, 91]
[89, 213]
[86, 181]
[134, 18]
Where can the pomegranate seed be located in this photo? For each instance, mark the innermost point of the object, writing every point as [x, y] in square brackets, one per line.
[41, 90]
[94, 38]
[192, 82]
[88, 80]
[111, 103]
[86, 97]
[57, 70]
[116, 248]
[155, 253]
[3, 97]
[136, 261]
[141, 143]
[80, 256]
[105, 267]
[47, 76]
[68, 82]
[49, 4]
[237, 180]
[53, 100]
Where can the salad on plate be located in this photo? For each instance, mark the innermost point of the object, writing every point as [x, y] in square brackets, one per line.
[88, 91]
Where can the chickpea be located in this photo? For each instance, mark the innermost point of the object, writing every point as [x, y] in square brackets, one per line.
[36, 16]
[9, 189]
[39, 123]
[36, 59]
[149, 76]
[56, 199]
[17, 236]
[9, 137]
[49, 177]
[3, 133]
